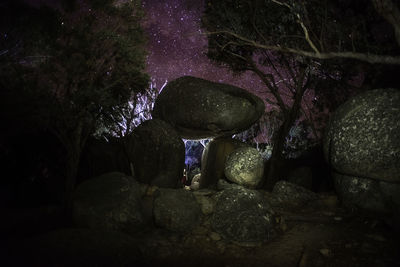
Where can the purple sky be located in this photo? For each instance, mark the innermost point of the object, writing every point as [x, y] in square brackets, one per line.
[177, 46]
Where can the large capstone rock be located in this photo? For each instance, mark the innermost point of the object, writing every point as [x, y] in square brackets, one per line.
[243, 216]
[176, 210]
[214, 158]
[363, 136]
[157, 154]
[366, 194]
[111, 201]
[245, 166]
[200, 108]
[75, 247]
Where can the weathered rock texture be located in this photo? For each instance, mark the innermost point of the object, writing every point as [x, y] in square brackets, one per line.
[243, 216]
[367, 194]
[292, 195]
[245, 166]
[176, 210]
[363, 136]
[157, 154]
[199, 108]
[214, 158]
[111, 201]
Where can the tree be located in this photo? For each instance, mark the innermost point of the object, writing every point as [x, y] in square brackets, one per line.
[321, 29]
[284, 43]
[90, 64]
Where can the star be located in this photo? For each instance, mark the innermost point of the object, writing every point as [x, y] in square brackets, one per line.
[177, 45]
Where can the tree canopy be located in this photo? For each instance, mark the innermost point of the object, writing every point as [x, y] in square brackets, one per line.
[295, 47]
[364, 30]
[72, 66]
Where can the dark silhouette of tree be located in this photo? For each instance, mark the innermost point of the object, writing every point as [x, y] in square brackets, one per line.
[75, 66]
[287, 44]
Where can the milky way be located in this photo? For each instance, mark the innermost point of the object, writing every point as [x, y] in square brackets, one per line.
[177, 45]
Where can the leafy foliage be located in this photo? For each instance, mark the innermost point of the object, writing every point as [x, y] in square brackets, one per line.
[74, 66]
[307, 25]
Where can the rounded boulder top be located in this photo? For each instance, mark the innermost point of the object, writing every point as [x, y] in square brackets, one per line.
[199, 108]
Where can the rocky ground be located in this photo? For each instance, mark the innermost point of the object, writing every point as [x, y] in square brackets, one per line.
[320, 233]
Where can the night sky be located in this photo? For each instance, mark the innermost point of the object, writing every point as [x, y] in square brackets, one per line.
[177, 45]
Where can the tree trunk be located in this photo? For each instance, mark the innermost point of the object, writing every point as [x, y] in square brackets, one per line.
[72, 164]
[276, 162]
[73, 145]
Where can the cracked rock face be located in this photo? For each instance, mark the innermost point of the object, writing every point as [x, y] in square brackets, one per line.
[199, 108]
[363, 136]
[245, 166]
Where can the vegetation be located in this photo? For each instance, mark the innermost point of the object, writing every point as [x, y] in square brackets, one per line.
[287, 43]
[73, 67]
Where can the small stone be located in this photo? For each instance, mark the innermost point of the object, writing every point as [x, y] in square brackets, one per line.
[326, 252]
[215, 236]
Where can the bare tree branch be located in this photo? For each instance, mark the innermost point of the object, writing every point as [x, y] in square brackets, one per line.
[301, 23]
[366, 57]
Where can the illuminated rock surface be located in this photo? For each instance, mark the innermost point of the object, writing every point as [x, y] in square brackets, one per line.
[200, 108]
[363, 136]
[362, 145]
[214, 158]
[245, 166]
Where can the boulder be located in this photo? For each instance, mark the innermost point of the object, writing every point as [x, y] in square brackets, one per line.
[200, 108]
[176, 210]
[157, 154]
[206, 200]
[243, 216]
[195, 183]
[363, 136]
[245, 166]
[111, 201]
[366, 194]
[214, 158]
[292, 195]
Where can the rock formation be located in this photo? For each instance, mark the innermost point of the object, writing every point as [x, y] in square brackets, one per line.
[198, 108]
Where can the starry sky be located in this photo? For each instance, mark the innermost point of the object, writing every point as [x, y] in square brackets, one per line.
[177, 45]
